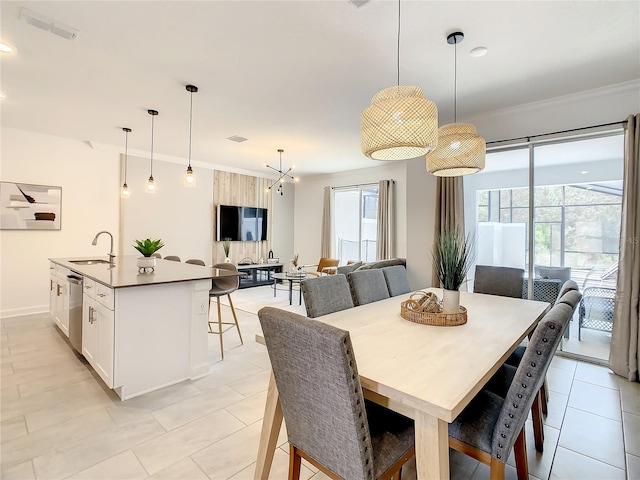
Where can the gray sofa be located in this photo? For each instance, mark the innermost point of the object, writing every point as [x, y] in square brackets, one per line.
[366, 266]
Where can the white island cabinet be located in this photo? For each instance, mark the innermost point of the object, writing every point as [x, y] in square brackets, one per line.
[142, 332]
[59, 297]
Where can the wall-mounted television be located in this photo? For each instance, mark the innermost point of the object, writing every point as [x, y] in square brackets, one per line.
[241, 224]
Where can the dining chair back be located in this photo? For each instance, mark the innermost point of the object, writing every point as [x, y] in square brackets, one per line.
[397, 280]
[328, 421]
[195, 261]
[324, 295]
[173, 258]
[566, 287]
[367, 286]
[156, 255]
[220, 287]
[503, 281]
[492, 425]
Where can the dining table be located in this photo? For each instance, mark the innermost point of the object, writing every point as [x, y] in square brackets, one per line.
[428, 373]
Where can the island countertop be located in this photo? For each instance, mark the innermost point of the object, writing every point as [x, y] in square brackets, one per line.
[124, 272]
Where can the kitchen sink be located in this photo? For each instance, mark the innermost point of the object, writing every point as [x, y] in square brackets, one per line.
[89, 262]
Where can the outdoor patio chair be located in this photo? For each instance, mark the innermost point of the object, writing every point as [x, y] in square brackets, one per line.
[596, 309]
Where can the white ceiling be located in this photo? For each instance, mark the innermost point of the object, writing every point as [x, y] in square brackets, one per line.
[293, 74]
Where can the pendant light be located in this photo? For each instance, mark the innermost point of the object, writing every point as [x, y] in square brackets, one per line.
[282, 174]
[461, 151]
[125, 192]
[400, 123]
[189, 177]
[151, 184]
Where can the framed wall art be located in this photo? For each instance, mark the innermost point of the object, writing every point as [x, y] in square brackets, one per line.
[24, 206]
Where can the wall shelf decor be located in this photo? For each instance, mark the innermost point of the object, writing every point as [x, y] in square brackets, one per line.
[24, 206]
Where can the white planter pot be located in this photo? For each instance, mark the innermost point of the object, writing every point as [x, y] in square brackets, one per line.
[451, 301]
[227, 260]
[146, 264]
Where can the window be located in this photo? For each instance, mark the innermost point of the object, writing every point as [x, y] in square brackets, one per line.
[355, 223]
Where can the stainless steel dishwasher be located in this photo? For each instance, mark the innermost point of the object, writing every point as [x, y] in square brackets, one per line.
[75, 311]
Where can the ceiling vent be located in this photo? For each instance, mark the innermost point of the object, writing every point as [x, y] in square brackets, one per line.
[49, 24]
[237, 138]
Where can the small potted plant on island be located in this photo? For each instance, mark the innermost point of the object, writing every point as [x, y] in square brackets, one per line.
[453, 254]
[147, 248]
[226, 245]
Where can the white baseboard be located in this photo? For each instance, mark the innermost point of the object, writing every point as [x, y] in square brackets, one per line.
[21, 312]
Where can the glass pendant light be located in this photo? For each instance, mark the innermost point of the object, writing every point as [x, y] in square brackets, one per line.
[125, 192]
[460, 151]
[400, 123]
[189, 176]
[151, 183]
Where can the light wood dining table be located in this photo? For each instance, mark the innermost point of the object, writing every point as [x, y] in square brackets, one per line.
[428, 373]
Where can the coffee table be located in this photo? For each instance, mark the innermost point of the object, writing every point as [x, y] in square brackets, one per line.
[291, 279]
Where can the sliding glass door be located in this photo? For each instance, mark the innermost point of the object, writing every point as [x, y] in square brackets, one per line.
[356, 225]
[575, 189]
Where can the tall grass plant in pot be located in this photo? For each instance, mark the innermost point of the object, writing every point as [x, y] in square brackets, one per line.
[453, 254]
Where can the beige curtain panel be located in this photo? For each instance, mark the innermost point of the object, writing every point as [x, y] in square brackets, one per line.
[327, 233]
[623, 358]
[385, 243]
[449, 209]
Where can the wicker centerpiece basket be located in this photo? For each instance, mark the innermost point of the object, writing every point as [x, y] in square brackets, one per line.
[424, 307]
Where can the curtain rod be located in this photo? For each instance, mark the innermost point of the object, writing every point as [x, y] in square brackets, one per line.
[371, 184]
[529, 137]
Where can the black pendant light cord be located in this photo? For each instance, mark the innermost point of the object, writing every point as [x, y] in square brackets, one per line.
[190, 123]
[152, 122]
[126, 152]
[398, 55]
[455, 82]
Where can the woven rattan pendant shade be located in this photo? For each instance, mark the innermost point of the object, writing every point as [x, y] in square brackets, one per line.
[399, 124]
[461, 151]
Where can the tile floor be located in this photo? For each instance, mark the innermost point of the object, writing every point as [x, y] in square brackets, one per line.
[58, 421]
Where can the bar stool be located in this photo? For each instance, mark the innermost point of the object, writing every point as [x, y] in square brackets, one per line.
[224, 286]
[173, 258]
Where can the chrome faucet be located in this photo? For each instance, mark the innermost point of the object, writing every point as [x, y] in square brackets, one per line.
[95, 242]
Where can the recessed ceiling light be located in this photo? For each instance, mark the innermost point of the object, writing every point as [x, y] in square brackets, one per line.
[584, 172]
[237, 138]
[478, 52]
[4, 48]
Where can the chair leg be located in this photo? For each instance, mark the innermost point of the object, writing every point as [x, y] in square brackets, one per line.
[544, 397]
[233, 310]
[496, 469]
[536, 416]
[294, 463]
[220, 328]
[520, 452]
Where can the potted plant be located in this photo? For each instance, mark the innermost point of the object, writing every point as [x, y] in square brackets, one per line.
[147, 248]
[226, 245]
[453, 254]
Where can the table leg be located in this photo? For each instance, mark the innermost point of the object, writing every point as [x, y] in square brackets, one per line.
[275, 285]
[290, 291]
[270, 430]
[432, 447]
[300, 293]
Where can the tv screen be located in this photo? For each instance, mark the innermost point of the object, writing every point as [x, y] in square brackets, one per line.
[241, 224]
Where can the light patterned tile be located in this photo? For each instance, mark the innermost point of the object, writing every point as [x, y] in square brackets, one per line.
[22, 471]
[6, 369]
[631, 427]
[253, 384]
[9, 393]
[482, 473]
[228, 456]
[595, 399]
[53, 382]
[594, 436]
[564, 363]
[570, 465]
[630, 395]
[279, 469]
[596, 374]
[83, 454]
[12, 429]
[122, 414]
[163, 397]
[557, 405]
[124, 466]
[162, 452]
[183, 470]
[633, 467]
[196, 406]
[249, 410]
[539, 463]
[227, 371]
[559, 380]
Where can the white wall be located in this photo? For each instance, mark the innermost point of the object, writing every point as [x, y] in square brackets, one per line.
[309, 199]
[282, 225]
[182, 217]
[89, 181]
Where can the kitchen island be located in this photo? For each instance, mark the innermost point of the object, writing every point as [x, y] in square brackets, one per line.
[143, 331]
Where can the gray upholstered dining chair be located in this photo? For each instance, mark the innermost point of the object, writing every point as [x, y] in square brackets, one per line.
[173, 258]
[329, 423]
[324, 295]
[196, 261]
[492, 424]
[503, 281]
[566, 287]
[220, 287]
[156, 255]
[367, 286]
[397, 280]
